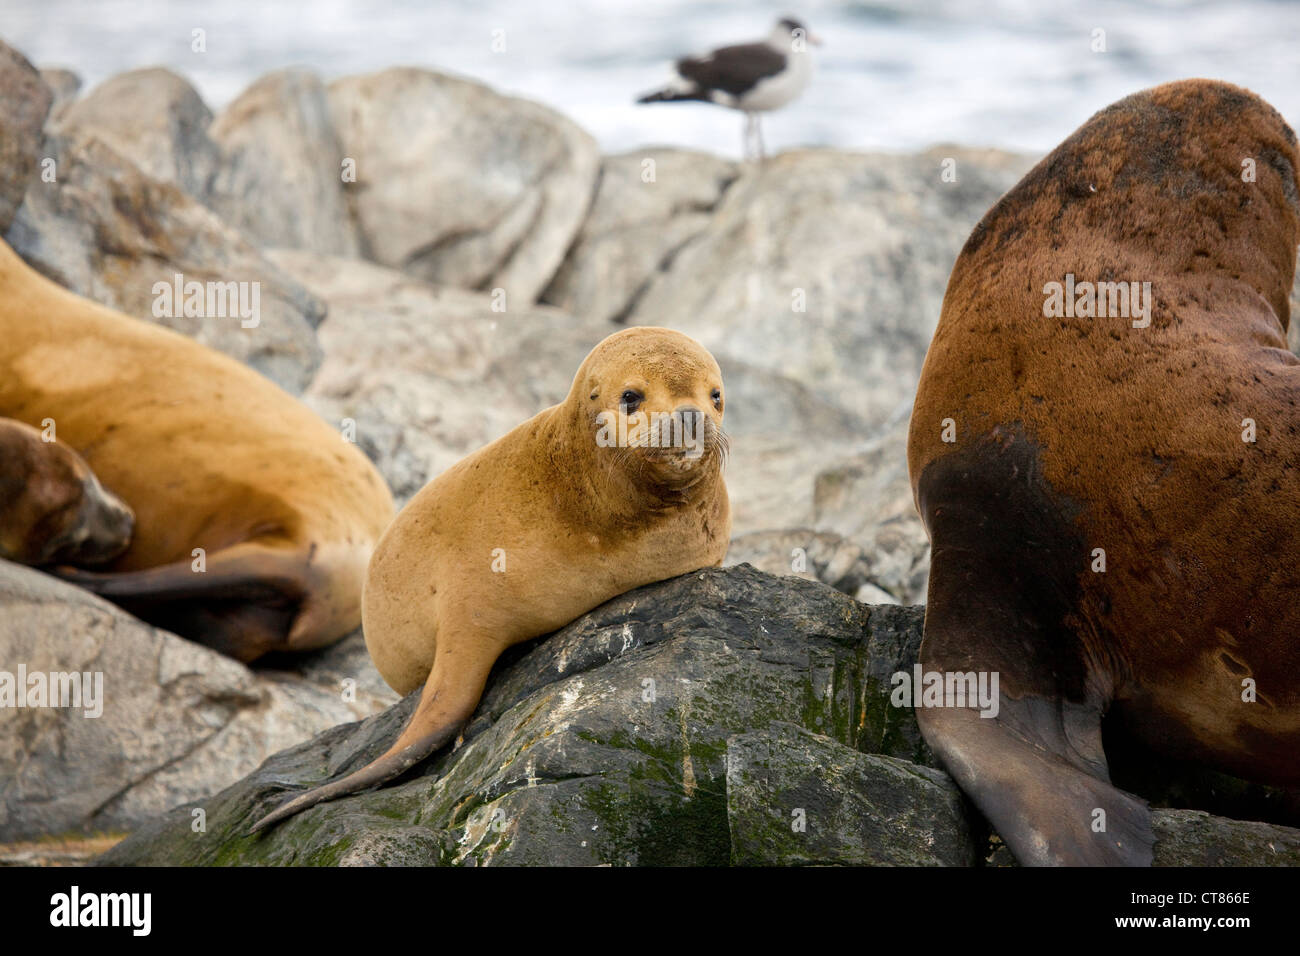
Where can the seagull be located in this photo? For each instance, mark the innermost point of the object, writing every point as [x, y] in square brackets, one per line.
[750, 77]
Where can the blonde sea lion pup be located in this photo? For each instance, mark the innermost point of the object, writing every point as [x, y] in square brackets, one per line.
[254, 520]
[618, 486]
[53, 510]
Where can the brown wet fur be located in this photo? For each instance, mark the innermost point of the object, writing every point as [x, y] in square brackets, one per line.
[208, 454]
[578, 524]
[1083, 433]
[52, 507]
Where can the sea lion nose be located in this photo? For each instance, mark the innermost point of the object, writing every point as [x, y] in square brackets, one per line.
[690, 429]
[690, 417]
[124, 521]
[113, 527]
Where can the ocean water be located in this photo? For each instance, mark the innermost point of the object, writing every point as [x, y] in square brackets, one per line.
[893, 75]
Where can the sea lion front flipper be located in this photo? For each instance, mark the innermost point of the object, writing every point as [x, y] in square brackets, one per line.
[1035, 767]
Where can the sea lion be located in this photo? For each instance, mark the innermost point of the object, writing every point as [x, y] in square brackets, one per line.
[586, 500]
[209, 455]
[53, 510]
[1113, 502]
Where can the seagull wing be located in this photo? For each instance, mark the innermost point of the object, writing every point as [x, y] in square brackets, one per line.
[732, 69]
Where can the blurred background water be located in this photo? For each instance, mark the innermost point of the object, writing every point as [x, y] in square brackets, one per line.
[893, 75]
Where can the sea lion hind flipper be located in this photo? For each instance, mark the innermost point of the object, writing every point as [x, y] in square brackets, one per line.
[1047, 810]
[393, 763]
[447, 700]
[247, 571]
[250, 598]
[1033, 764]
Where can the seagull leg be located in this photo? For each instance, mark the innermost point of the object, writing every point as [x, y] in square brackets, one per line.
[758, 133]
[749, 136]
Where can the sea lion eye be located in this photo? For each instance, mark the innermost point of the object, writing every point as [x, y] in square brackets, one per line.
[631, 400]
[716, 395]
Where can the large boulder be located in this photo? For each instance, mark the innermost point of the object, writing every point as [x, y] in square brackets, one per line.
[280, 175]
[156, 120]
[177, 721]
[108, 231]
[66, 87]
[649, 203]
[681, 723]
[24, 103]
[604, 743]
[459, 185]
[796, 799]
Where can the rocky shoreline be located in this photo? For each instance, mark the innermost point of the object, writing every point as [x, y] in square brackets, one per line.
[433, 259]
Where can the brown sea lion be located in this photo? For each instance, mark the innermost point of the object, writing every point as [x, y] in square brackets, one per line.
[1112, 498]
[209, 455]
[53, 510]
[586, 500]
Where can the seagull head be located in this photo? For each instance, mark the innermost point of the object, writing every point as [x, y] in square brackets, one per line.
[790, 33]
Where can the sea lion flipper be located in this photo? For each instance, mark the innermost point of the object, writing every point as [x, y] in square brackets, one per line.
[1033, 763]
[1044, 807]
[247, 600]
[448, 699]
[243, 571]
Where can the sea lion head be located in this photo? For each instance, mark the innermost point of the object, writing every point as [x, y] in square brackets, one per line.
[53, 509]
[652, 400]
[1193, 177]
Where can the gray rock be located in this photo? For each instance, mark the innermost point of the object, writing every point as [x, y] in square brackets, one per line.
[813, 555]
[279, 178]
[24, 103]
[459, 185]
[447, 374]
[1194, 838]
[109, 232]
[65, 85]
[649, 732]
[867, 497]
[153, 118]
[649, 203]
[604, 743]
[178, 720]
[782, 432]
[797, 799]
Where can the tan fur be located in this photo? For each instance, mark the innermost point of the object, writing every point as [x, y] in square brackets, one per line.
[1078, 433]
[576, 523]
[208, 454]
